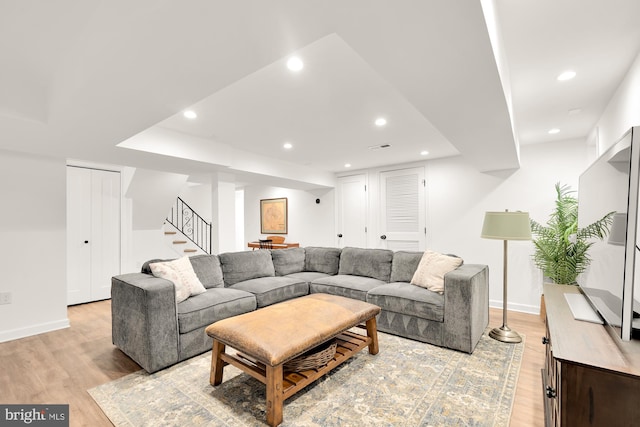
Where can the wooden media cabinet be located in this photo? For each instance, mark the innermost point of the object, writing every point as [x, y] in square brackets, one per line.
[590, 378]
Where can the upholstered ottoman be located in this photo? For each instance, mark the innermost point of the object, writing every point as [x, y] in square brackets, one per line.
[266, 339]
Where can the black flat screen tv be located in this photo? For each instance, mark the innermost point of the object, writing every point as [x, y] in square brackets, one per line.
[611, 184]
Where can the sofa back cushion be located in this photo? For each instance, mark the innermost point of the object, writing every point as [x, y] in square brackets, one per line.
[208, 270]
[322, 260]
[404, 265]
[288, 261]
[375, 263]
[241, 266]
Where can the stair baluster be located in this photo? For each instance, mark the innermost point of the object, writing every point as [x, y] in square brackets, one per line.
[192, 225]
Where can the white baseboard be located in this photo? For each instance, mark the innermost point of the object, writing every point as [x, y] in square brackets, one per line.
[523, 308]
[41, 328]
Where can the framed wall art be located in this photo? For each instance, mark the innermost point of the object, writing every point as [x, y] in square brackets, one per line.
[273, 216]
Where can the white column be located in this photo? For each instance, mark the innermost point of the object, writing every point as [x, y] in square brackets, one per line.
[223, 201]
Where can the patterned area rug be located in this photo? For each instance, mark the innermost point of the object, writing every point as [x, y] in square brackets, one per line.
[407, 383]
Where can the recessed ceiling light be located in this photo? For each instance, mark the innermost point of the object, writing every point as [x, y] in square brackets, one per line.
[381, 121]
[424, 153]
[567, 75]
[189, 114]
[347, 165]
[295, 64]
[575, 111]
[288, 146]
[554, 131]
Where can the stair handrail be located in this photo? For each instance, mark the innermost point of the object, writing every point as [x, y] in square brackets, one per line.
[195, 228]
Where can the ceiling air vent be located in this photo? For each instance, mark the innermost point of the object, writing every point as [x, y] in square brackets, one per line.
[379, 147]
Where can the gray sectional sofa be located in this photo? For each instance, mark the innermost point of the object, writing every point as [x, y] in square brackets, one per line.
[154, 331]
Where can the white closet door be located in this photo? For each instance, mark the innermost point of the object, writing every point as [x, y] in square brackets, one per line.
[78, 235]
[402, 210]
[351, 221]
[105, 232]
[93, 233]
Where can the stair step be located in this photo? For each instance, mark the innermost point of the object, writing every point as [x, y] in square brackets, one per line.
[169, 232]
[190, 250]
[179, 242]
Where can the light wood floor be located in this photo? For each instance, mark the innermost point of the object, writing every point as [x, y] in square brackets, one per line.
[60, 366]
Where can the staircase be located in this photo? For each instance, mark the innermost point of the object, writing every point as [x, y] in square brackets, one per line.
[179, 242]
[187, 231]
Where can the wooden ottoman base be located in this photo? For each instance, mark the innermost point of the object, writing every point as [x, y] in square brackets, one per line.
[281, 385]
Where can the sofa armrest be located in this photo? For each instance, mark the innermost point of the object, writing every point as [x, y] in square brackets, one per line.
[144, 319]
[466, 306]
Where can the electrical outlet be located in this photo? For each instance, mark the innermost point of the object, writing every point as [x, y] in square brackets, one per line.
[5, 298]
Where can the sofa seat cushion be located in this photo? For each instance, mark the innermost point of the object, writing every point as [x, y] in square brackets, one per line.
[213, 305]
[270, 290]
[308, 276]
[405, 298]
[345, 285]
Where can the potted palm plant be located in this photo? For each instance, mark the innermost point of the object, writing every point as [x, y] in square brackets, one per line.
[560, 246]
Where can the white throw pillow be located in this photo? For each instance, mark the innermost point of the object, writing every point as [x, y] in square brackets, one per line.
[432, 268]
[180, 272]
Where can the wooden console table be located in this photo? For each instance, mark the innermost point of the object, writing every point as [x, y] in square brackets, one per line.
[256, 245]
[590, 378]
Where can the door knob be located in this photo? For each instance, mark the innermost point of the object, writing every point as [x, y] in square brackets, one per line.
[340, 235]
[383, 237]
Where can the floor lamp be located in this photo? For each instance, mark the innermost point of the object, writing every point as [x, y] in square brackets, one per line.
[506, 226]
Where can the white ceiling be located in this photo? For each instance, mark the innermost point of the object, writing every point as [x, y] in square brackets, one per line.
[542, 38]
[84, 79]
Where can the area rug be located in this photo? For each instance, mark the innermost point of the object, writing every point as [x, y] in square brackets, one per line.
[408, 383]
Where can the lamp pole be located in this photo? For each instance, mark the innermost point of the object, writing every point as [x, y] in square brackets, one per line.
[504, 333]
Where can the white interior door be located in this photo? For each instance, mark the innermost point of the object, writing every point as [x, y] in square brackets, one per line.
[351, 221]
[93, 233]
[403, 210]
[105, 232]
[78, 235]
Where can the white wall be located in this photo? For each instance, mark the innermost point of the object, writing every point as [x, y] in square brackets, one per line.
[33, 253]
[240, 241]
[147, 245]
[310, 223]
[622, 112]
[198, 197]
[152, 194]
[223, 207]
[458, 197]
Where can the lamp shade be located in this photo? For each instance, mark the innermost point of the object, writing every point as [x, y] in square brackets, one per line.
[618, 233]
[506, 226]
